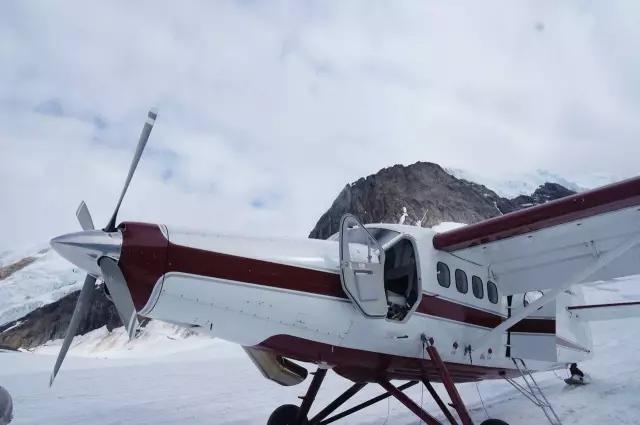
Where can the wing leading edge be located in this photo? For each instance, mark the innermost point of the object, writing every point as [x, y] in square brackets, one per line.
[541, 247]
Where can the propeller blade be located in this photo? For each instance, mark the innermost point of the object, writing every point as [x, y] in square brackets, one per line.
[144, 136]
[84, 217]
[120, 294]
[82, 306]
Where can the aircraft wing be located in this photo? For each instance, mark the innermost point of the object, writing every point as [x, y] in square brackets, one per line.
[539, 248]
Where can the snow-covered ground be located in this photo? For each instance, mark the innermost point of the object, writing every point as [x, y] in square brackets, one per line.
[168, 377]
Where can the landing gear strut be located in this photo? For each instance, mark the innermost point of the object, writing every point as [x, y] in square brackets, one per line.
[290, 414]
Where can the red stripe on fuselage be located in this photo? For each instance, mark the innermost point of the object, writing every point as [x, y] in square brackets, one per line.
[249, 270]
[147, 255]
[535, 326]
[439, 307]
[434, 305]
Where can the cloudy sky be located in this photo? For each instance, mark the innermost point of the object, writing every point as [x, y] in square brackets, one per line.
[267, 109]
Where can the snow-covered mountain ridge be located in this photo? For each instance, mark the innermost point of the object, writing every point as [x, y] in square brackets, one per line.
[527, 182]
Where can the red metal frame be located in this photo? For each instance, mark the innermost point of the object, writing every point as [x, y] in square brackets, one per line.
[410, 404]
[391, 390]
[319, 419]
[445, 377]
[439, 401]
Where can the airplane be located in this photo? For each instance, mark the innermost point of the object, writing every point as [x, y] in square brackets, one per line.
[376, 303]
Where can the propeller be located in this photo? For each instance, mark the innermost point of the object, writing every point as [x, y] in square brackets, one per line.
[84, 217]
[120, 294]
[109, 270]
[79, 314]
[142, 142]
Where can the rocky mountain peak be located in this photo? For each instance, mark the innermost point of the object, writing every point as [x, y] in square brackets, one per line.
[545, 193]
[9, 269]
[423, 194]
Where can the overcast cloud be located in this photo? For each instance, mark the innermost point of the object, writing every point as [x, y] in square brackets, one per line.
[268, 108]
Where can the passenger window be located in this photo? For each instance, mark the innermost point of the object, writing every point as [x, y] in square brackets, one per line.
[461, 281]
[444, 277]
[492, 292]
[477, 287]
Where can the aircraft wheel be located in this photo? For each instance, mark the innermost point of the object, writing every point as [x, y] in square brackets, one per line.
[285, 415]
[494, 422]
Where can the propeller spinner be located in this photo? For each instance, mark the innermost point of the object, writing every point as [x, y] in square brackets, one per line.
[97, 252]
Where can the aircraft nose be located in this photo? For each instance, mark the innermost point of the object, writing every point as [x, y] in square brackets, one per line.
[85, 248]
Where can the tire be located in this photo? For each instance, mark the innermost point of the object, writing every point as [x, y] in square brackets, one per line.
[6, 407]
[494, 422]
[285, 415]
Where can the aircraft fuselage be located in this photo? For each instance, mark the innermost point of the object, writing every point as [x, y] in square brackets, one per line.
[285, 295]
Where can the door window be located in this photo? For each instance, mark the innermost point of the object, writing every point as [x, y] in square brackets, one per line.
[361, 266]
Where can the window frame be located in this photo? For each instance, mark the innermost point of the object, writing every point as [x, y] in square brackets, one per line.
[466, 281]
[495, 289]
[446, 267]
[476, 282]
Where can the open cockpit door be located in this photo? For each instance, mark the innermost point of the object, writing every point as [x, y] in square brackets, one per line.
[362, 268]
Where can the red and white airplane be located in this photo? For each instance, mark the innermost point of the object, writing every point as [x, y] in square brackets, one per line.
[378, 302]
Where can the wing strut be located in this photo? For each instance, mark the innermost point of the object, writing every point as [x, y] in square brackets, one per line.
[483, 343]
